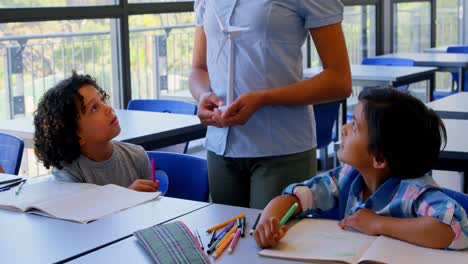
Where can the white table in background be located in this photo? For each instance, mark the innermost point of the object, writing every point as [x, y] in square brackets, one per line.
[454, 106]
[446, 62]
[440, 49]
[149, 129]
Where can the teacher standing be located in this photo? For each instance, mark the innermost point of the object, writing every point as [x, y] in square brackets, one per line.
[265, 139]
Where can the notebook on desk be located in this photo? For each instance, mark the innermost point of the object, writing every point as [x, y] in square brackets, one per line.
[323, 241]
[78, 202]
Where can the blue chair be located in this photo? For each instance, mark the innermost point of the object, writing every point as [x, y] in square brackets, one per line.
[165, 106]
[459, 197]
[390, 62]
[326, 118]
[188, 175]
[11, 153]
[438, 94]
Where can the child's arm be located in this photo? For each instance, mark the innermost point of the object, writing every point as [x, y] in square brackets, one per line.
[267, 233]
[424, 231]
[431, 220]
[144, 185]
[320, 192]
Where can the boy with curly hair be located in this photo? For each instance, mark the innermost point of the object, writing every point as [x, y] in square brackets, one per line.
[382, 189]
[74, 128]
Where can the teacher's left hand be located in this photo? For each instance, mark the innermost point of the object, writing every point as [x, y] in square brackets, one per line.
[240, 111]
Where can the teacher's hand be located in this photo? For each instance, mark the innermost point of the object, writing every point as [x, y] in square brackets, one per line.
[240, 111]
[208, 111]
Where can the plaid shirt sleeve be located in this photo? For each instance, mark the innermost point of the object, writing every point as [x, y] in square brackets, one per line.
[318, 194]
[432, 202]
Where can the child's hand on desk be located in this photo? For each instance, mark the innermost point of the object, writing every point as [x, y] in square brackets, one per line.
[267, 233]
[364, 220]
[144, 186]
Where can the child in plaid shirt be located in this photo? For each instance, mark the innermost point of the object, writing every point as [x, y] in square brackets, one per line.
[382, 189]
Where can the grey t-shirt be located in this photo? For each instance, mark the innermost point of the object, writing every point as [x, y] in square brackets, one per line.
[128, 163]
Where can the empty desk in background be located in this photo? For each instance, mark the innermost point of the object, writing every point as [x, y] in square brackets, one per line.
[150, 130]
[130, 251]
[454, 106]
[29, 238]
[447, 62]
[382, 76]
[455, 155]
[440, 49]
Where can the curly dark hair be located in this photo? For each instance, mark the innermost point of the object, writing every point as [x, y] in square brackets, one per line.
[403, 131]
[55, 120]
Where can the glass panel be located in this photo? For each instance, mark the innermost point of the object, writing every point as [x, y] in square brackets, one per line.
[446, 34]
[414, 38]
[54, 3]
[157, 1]
[360, 34]
[37, 55]
[161, 49]
[447, 22]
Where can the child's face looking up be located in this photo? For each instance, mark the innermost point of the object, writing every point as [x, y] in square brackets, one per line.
[354, 147]
[98, 123]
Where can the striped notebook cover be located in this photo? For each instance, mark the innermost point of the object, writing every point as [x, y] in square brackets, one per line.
[171, 243]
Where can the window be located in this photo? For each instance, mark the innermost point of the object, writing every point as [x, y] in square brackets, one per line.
[161, 49]
[412, 28]
[359, 27]
[35, 62]
[53, 3]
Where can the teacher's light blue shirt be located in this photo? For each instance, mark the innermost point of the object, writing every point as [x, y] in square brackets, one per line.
[267, 56]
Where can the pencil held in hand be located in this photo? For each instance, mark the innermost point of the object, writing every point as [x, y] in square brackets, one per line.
[288, 215]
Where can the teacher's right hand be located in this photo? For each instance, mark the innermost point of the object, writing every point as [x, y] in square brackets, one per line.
[208, 111]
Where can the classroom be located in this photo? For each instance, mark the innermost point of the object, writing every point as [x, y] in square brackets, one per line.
[234, 131]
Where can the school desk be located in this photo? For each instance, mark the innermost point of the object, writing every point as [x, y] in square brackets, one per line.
[454, 106]
[445, 62]
[382, 76]
[454, 157]
[129, 251]
[439, 49]
[148, 129]
[29, 238]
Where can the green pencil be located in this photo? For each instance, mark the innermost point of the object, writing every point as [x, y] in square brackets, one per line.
[288, 215]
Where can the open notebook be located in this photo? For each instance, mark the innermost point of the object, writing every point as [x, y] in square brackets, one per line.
[323, 241]
[78, 202]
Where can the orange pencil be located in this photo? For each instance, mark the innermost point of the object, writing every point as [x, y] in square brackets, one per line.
[223, 247]
[231, 231]
[216, 227]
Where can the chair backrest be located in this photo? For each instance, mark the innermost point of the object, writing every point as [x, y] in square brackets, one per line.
[458, 49]
[390, 62]
[188, 175]
[165, 106]
[326, 116]
[11, 153]
[459, 197]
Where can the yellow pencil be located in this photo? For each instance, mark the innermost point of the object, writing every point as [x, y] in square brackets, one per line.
[231, 231]
[223, 246]
[216, 227]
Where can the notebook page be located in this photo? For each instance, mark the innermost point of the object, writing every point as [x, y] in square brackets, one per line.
[39, 192]
[389, 250]
[96, 203]
[318, 239]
